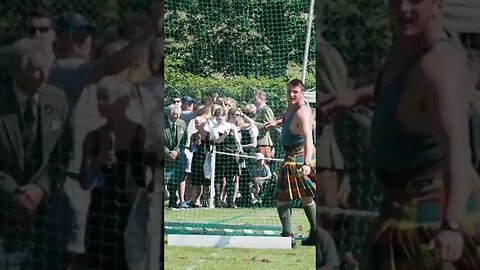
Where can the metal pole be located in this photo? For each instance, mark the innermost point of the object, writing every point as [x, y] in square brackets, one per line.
[307, 40]
[155, 256]
[211, 202]
[155, 223]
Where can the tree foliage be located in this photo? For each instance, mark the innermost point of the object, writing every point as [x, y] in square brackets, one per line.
[236, 37]
[240, 88]
[360, 30]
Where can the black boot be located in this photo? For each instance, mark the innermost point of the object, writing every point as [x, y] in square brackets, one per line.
[283, 234]
[310, 240]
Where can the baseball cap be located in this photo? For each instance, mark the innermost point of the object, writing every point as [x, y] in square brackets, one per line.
[77, 23]
[187, 99]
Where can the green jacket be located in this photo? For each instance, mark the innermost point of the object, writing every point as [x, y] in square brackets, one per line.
[174, 145]
[332, 77]
[264, 115]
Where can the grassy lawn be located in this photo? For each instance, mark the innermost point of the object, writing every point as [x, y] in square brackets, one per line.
[192, 258]
[239, 216]
[186, 258]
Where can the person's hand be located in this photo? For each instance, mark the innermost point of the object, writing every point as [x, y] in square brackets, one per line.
[448, 244]
[174, 154]
[197, 141]
[34, 195]
[271, 124]
[21, 203]
[105, 157]
[332, 104]
[306, 170]
[351, 262]
[21, 216]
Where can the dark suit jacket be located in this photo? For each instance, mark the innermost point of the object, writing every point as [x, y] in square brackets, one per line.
[53, 110]
[169, 144]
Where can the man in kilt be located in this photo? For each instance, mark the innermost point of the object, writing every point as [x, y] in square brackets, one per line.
[297, 175]
[419, 149]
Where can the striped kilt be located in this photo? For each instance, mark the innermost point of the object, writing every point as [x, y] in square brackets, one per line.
[292, 184]
[409, 219]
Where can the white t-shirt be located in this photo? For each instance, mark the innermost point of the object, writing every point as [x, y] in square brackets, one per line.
[225, 127]
[72, 76]
[146, 109]
[252, 130]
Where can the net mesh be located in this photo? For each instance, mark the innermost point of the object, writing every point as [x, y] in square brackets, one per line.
[232, 48]
[59, 220]
[363, 42]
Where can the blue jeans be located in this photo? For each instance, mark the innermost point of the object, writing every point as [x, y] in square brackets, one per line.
[14, 256]
[173, 173]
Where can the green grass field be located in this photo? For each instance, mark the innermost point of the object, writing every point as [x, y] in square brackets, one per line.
[248, 217]
[189, 258]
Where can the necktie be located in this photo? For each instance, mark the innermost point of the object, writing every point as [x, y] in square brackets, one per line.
[28, 115]
[174, 131]
[29, 133]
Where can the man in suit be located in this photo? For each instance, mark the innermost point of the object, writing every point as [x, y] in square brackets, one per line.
[263, 116]
[32, 118]
[174, 143]
[331, 79]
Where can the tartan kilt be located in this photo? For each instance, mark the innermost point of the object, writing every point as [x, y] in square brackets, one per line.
[292, 184]
[409, 219]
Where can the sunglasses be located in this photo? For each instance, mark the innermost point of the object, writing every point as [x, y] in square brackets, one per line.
[176, 101]
[33, 30]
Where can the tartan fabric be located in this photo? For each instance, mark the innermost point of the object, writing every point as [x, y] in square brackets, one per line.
[409, 219]
[292, 184]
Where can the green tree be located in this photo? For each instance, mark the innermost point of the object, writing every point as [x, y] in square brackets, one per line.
[359, 30]
[233, 37]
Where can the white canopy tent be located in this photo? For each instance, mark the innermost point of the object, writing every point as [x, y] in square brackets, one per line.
[310, 96]
[462, 15]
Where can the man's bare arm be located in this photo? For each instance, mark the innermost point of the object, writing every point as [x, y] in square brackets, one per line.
[124, 58]
[208, 106]
[364, 95]
[274, 123]
[330, 103]
[304, 117]
[447, 101]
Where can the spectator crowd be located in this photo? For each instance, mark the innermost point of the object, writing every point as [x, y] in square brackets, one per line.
[244, 151]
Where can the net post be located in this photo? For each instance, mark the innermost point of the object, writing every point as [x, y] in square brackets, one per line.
[307, 40]
[155, 243]
[212, 179]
